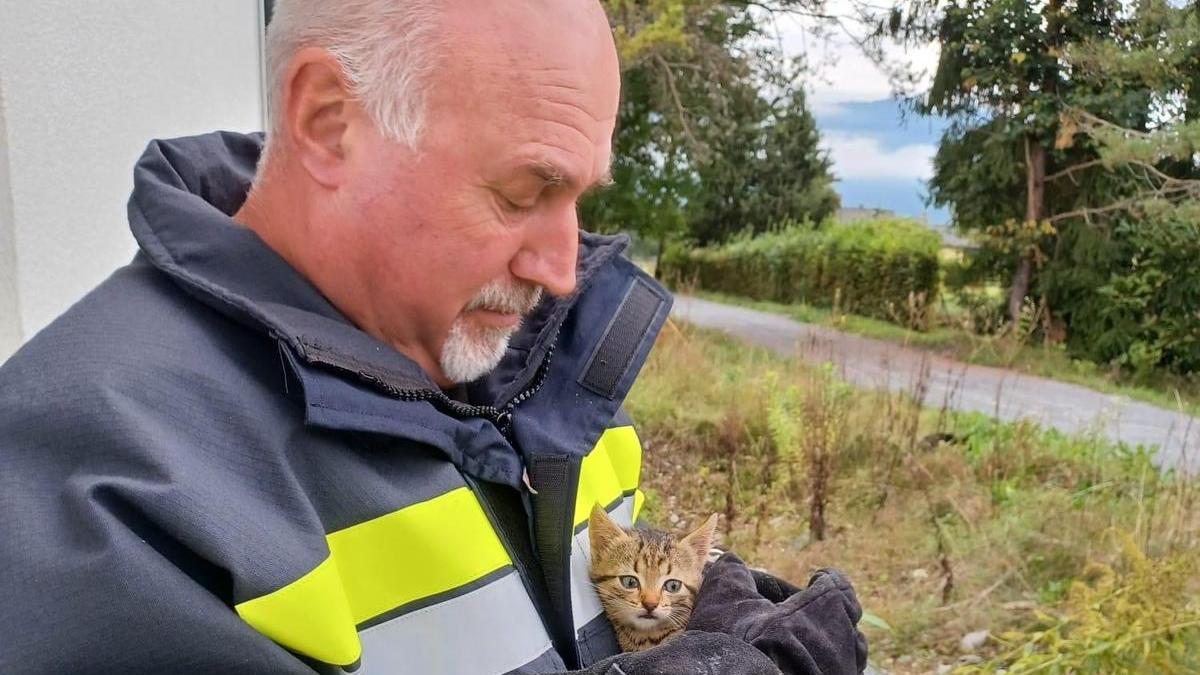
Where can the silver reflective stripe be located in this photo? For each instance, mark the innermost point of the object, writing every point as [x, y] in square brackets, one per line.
[585, 604]
[492, 629]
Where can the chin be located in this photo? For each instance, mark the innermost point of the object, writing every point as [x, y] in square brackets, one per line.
[643, 623]
[466, 357]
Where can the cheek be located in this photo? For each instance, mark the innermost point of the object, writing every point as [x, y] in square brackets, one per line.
[436, 247]
[462, 234]
[632, 598]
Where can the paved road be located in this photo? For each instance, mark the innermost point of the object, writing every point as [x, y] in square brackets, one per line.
[1004, 393]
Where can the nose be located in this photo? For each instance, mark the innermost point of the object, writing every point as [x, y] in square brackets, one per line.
[650, 604]
[550, 253]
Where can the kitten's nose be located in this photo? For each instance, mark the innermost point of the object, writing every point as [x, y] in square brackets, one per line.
[650, 604]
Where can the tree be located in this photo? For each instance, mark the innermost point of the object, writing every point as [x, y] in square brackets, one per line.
[1011, 79]
[767, 170]
[1161, 152]
[704, 136]
[1116, 127]
[677, 59]
[1002, 80]
[1136, 288]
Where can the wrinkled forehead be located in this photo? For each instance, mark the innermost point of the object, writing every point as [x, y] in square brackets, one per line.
[540, 71]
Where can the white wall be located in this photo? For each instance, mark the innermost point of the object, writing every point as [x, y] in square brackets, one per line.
[10, 325]
[84, 84]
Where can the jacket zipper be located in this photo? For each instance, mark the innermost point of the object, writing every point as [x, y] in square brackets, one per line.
[500, 416]
[527, 577]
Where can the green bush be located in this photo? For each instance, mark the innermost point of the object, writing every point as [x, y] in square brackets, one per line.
[1129, 296]
[882, 268]
[1135, 617]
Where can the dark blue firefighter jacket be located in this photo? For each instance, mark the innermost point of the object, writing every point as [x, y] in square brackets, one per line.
[204, 467]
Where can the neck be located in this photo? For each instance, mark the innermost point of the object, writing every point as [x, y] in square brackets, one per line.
[263, 212]
[278, 211]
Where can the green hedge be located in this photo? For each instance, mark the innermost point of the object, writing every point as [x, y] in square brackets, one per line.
[882, 268]
[1130, 294]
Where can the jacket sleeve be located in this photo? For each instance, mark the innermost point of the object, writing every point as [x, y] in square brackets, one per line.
[100, 573]
[811, 631]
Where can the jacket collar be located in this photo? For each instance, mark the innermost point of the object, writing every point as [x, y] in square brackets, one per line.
[185, 193]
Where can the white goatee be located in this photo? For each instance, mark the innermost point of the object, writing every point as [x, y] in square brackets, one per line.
[472, 351]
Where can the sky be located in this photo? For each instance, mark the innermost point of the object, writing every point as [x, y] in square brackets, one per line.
[880, 158]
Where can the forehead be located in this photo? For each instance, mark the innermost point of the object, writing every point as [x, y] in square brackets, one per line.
[540, 78]
[651, 547]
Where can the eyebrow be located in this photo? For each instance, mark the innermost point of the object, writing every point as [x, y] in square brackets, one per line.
[553, 176]
[606, 181]
[550, 174]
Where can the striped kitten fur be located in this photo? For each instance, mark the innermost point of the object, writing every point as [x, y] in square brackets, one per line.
[646, 579]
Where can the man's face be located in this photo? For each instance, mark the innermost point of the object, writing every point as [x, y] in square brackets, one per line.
[457, 240]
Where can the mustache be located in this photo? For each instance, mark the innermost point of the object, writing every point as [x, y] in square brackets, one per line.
[519, 298]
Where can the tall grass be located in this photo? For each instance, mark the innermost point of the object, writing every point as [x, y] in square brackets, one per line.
[947, 523]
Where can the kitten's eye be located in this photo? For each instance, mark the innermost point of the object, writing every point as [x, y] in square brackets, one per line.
[672, 585]
[629, 582]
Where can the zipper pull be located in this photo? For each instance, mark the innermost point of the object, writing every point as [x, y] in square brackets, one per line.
[525, 479]
[504, 422]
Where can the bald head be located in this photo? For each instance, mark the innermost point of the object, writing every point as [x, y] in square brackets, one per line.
[437, 238]
[391, 51]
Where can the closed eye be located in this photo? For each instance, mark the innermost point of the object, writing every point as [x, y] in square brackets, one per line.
[513, 207]
[672, 585]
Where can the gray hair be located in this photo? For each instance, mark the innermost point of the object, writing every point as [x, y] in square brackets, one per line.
[386, 49]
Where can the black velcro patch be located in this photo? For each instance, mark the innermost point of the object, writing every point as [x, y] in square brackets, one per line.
[613, 356]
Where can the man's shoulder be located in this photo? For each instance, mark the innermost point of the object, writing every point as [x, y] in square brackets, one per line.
[137, 335]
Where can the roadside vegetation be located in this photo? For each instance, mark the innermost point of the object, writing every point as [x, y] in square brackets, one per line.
[1072, 553]
[1068, 162]
[883, 268]
[949, 334]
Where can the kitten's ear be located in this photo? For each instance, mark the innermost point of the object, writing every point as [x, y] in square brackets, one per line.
[602, 531]
[700, 540]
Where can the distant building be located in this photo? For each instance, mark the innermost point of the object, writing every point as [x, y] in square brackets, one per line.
[954, 240]
[853, 213]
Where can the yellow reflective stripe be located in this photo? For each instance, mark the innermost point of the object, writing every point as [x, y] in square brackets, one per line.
[423, 550]
[597, 482]
[375, 567]
[309, 615]
[639, 500]
[610, 470]
[625, 452]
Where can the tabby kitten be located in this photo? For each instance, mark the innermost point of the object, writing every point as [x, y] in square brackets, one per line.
[646, 579]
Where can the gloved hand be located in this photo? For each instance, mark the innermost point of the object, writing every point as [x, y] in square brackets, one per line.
[809, 631]
[690, 653]
[772, 587]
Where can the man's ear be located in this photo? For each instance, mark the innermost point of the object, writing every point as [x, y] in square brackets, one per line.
[318, 106]
[602, 531]
[700, 540]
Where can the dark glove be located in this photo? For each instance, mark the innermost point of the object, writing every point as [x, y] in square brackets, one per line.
[805, 632]
[691, 653]
[772, 587]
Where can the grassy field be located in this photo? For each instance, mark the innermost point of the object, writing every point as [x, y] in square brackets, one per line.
[1051, 361]
[1071, 552]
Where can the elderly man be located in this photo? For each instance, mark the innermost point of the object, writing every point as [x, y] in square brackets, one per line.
[351, 403]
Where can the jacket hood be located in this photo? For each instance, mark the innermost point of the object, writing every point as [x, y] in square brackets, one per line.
[185, 193]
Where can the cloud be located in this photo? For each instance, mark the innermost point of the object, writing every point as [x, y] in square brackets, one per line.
[856, 156]
[841, 73]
